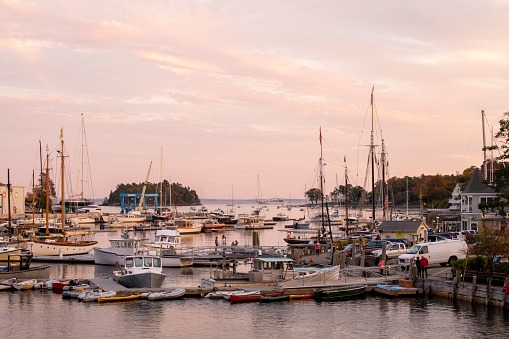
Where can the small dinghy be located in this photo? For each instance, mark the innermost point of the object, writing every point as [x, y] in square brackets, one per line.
[122, 298]
[94, 295]
[222, 294]
[272, 298]
[173, 294]
[25, 285]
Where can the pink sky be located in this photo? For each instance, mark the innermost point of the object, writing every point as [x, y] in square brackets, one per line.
[235, 89]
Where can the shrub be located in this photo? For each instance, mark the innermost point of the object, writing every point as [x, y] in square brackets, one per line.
[477, 263]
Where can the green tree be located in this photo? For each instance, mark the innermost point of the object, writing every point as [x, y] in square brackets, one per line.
[314, 195]
[491, 242]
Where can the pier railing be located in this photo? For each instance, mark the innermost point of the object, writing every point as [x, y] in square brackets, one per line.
[230, 252]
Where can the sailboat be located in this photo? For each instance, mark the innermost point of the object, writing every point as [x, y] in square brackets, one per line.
[59, 247]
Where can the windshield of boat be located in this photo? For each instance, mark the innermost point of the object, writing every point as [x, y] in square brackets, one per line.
[129, 262]
[138, 261]
[148, 262]
[157, 262]
[414, 249]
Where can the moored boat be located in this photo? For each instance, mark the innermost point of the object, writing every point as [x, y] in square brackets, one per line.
[140, 271]
[24, 285]
[272, 298]
[247, 297]
[340, 293]
[119, 298]
[173, 294]
[94, 295]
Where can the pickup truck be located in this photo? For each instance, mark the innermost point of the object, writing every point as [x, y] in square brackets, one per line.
[393, 251]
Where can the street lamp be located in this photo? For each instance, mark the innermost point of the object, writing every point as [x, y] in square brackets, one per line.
[437, 225]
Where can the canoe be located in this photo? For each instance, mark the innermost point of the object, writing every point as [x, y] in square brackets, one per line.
[301, 296]
[122, 298]
[25, 285]
[268, 299]
[340, 293]
[173, 294]
[236, 298]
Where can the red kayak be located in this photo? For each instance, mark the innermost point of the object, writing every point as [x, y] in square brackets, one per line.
[238, 298]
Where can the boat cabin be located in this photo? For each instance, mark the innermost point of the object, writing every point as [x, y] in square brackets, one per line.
[166, 239]
[141, 262]
[270, 269]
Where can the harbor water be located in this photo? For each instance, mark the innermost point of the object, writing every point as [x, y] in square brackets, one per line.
[44, 314]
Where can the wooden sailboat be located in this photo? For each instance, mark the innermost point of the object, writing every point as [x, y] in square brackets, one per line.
[59, 247]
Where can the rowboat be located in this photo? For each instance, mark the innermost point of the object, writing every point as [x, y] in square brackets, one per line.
[340, 293]
[301, 296]
[268, 299]
[59, 285]
[173, 294]
[236, 298]
[225, 294]
[25, 285]
[122, 298]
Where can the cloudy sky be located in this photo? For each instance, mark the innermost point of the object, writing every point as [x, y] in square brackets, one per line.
[233, 91]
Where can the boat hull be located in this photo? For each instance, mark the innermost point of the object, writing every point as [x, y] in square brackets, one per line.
[124, 298]
[238, 298]
[340, 293]
[104, 256]
[34, 272]
[4, 255]
[173, 294]
[142, 280]
[41, 248]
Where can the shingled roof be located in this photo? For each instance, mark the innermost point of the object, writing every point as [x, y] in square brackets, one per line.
[476, 185]
[400, 226]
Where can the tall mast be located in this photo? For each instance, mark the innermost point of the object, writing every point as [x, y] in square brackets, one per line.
[62, 170]
[33, 198]
[82, 159]
[9, 202]
[372, 150]
[321, 183]
[346, 197]
[161, 190]
[47, 192]
[385, 192]
[40, 158]
[484, 147]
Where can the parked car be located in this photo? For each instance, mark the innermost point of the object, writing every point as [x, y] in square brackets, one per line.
[440, 252]
[435, 238]
[402, 240]
[446, 235]
[374, 245]
[394, 250]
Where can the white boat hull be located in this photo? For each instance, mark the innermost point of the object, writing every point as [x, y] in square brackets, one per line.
[130, 219]
[104, 256]
[41, 248]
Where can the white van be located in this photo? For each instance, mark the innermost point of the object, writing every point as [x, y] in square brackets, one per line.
[440, 252]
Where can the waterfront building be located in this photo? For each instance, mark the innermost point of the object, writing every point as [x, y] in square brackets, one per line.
[413, 231]
[455, 200]
[17, 200]
[477, 192]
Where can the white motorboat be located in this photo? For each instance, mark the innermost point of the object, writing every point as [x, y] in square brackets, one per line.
[120, 248]
[93, 295]
[25, 285]
[165, 244]
[140, 271]
[132, 216]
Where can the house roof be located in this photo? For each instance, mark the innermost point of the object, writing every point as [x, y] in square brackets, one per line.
[476, 184]
[400, 226]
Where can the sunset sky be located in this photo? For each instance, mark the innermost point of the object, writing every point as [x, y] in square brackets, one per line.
[236, 90]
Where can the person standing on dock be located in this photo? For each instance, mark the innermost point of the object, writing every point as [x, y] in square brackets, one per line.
[381, 266]
[217, 242]
[317, 247]
[424, 267]
[224, 240]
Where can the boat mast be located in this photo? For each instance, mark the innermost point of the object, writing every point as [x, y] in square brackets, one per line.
[321, 184]
[47, 190]
[40, 158]
[346, 197]
[485, 172]
[62, 169]
[9, 202]
[82, 160]
[144, 188]
[385, 193]
[33, 198]
[161, 190]
[372, 150]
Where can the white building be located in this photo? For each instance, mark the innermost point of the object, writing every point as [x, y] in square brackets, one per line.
[17, 201]
[477, 192]
[455, 199]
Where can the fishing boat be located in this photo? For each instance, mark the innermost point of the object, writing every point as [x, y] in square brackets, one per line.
[340, 293]
[173, 294]
[187, 226]
[132, 216]
[119, 298]
[280, 217]
[140, 271]
[94, 295]
[165, 244]
[237, 298]
[6, 250]
[211, 225]
[120, 248]
[25, 284]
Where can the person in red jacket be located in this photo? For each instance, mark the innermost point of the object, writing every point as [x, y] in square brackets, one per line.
[424, 266]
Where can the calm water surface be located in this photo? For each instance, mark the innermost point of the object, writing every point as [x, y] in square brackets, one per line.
[44, 314]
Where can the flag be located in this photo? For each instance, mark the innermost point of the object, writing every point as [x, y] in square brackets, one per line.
[345, 158]
[386, 200]
[61, 133]
[320, 136]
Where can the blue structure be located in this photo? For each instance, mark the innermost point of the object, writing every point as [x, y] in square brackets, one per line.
[128, 207]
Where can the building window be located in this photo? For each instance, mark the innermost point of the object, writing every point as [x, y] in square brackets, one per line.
[464, 225]
[473, 226]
